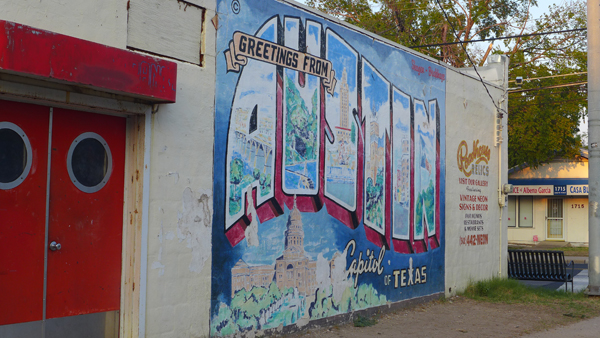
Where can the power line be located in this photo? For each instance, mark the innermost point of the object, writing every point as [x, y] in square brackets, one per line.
[548, 87]
[551, 76]
[500, 38]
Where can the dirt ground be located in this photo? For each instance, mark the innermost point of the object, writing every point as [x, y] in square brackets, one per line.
[455, 317]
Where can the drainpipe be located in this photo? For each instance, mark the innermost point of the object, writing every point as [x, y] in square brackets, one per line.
[593, 36]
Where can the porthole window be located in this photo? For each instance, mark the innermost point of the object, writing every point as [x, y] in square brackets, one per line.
[89, 162]
[15, 155]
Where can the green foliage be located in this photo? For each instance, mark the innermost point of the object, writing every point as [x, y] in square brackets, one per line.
[256, 174]
[422, 22]
[265, 184]
[425, 197]
[222, 322]
[301, 125]
[235, 177]
[510, 291]
[375, 199]
[543, 123]
[361, 321]
[237, 168]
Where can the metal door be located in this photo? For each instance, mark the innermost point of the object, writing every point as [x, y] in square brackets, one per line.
[23, 177]
[70, 268]
[554, 219]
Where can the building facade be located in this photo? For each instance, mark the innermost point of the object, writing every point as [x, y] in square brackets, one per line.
[550, 203]
[173, 169]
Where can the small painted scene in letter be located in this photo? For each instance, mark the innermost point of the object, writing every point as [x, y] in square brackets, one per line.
[341, 158]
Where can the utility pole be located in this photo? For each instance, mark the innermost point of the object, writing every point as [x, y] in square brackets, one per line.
[593, 37]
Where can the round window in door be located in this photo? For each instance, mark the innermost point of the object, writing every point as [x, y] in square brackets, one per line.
[89, 162]
[15, 155]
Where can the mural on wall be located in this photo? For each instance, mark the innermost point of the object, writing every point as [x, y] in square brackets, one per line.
[329, 172]
[341, 157]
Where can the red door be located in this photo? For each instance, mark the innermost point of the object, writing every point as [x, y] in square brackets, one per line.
[23, 177]
[71, 224]
[86, 213]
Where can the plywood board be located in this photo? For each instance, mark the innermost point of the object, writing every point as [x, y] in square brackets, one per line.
[170, 28]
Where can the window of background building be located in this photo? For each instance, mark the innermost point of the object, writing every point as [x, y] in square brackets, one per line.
[520, 211]
[512, 211]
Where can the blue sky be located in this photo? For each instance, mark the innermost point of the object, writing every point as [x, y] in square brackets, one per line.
[341, 57]
[376, 90]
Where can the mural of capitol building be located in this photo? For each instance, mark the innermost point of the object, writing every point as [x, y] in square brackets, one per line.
[293, 269]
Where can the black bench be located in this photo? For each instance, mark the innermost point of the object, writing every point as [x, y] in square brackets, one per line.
[542, 265]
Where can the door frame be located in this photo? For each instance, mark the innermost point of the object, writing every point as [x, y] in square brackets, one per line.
[547, 218]
[132, 321]
[135, 208]
[24, 78]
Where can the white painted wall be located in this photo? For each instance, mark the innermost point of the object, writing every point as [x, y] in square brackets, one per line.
[575, 222]
[470, 116]
[180, 214]
[179, 241]
[555, 169]
[576, 227]
[103, 22]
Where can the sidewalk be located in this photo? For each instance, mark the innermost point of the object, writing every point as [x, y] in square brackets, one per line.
[585, 329]
[580, 279]
[580, 282]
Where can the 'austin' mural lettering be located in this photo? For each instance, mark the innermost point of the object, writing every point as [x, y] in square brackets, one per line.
[328, 171]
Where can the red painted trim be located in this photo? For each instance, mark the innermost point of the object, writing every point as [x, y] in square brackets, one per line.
[41, 54]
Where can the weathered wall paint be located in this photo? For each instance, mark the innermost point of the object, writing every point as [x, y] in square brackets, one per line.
[181, 201]
[175, 35]
[103, 22]
[329, 170]
[474, 227]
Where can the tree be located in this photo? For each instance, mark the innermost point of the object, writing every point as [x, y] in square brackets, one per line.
[422, 22]
[235, 177]
[543, 118]
[542, 124]
[256, 174]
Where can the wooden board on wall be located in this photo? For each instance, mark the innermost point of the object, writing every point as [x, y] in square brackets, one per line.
[170, 28]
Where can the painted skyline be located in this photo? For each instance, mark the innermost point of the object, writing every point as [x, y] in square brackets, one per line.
[341, 159]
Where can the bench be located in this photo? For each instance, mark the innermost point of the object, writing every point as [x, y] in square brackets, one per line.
[541, 265]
